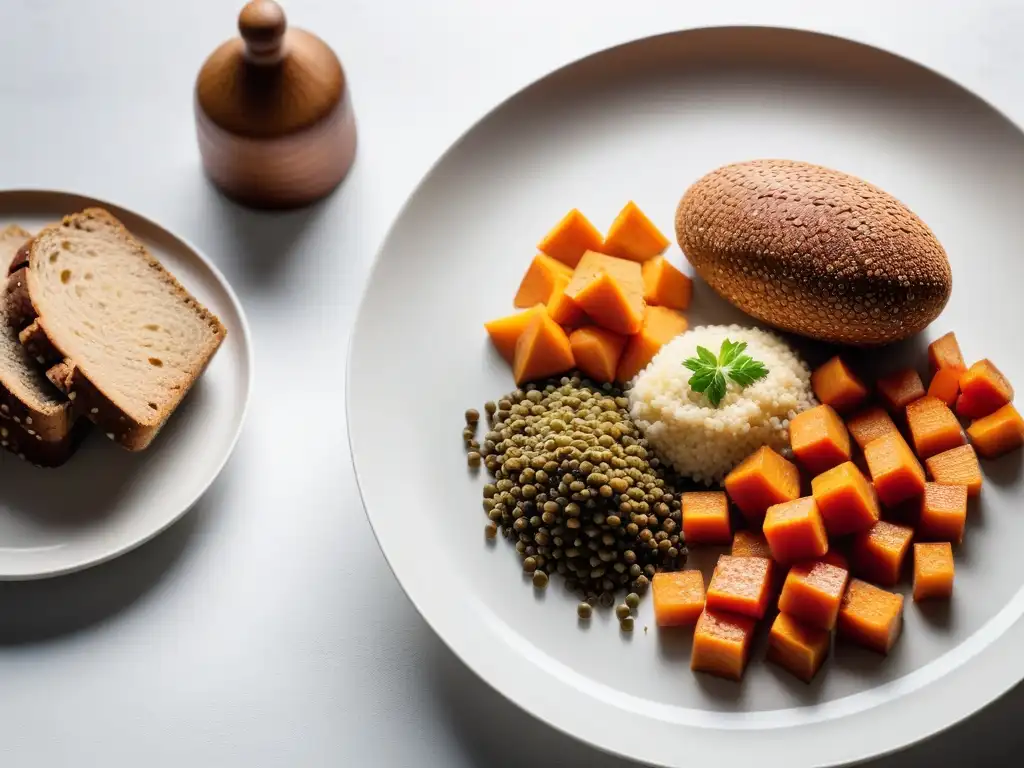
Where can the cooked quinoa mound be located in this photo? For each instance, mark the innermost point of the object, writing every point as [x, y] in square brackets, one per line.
[701, 441]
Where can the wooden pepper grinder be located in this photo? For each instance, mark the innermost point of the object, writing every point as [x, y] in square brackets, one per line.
[273, 114]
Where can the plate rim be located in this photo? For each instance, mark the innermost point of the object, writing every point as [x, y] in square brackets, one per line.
[965, 702]
[243, 331]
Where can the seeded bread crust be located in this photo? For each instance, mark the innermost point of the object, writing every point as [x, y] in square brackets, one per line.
[86, 393]
[33, 449]
[52, 425]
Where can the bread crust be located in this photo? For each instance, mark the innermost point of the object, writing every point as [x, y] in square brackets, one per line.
[33, 449]
[85, 392]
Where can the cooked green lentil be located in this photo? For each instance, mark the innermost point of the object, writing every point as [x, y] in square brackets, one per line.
[578, 489]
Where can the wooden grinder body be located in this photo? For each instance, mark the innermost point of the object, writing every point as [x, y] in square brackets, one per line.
[274, 119]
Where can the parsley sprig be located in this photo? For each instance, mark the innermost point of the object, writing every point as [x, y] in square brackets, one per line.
[710, 373]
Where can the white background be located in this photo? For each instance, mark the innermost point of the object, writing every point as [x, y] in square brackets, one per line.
[265, 629]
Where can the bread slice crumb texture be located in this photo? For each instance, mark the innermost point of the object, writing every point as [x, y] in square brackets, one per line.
[118, 315]
[19, 373]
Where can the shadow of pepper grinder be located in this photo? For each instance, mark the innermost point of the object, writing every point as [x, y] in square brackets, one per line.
[273, 115]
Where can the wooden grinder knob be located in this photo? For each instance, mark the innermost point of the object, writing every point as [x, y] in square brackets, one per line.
[273, 114]
[262, 24]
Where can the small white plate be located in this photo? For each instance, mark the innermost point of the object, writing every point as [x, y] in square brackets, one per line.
[105, 500]
[643, 122]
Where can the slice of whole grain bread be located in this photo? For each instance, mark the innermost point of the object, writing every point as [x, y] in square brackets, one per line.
[117, 332]
[43, 453]
[26, 396]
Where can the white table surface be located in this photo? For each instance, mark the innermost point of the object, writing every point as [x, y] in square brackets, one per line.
[265, 629]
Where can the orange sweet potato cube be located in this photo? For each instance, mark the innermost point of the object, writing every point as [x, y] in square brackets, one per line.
[895, 471]
[633, 236]
[834, 384]
[958, 466]
[741, 585]
[846, 500]
[609, 300]
[945, 386]
[721, 644]
[562, 309]
[543, 350]
[505, 331]
[943, 513]
[678, 597]
[997, 433]
[933, 427]
[870, 616]
[878, 553]
[666, 286]
[870, 424]
[795, 531]
[836, 558]
[762, 479]
[796, 647]
[933, 570]
[539, 281]
[813, 592]
[819, 439]
[660, 326]
[944, 353]
[983, 390]
[750, 544]
[597, 351]
[570, 238]
[706, 517]
[900, 389]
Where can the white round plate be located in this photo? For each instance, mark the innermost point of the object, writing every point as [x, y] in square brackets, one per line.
[105, 501]
[642, 122]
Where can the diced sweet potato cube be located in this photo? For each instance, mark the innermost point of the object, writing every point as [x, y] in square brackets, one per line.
[870, 424]
[609, 290]
[877, 554]
[660, 326]
[666, 286]
[796, 647]
[997, 433]
[870, 616]
[543, 350]
[813, 592]
[597, 351]
[570, 238]
[795, 531]
[836, 385]
[943, 513]
[944, 353]
[678, 597]
[895, 470]
[721, 644]
[633, 236]
[846, 500]
[933, 427]
[945, 386]
[836, 558]
[762, 479]
[933, 570]
[958, 466]
[562, 309]
[741, 585]
[983, 390]
[819, 439]
[750, 544]
[706, 517]
[539, 281]
[505, 331]
[900, 389]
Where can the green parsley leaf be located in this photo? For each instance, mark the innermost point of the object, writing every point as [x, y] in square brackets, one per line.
[711, 373]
